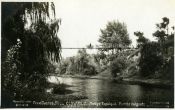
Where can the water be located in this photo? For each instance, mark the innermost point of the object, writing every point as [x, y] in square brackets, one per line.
[107, 93]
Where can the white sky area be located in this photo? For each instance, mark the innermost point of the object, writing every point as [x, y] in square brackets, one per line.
[83, 19]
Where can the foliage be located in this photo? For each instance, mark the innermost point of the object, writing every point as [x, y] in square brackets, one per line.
[80, 64]
[151, 59]
[62, 68]
[162, 32]
[10, 80]
[156, 57]
[141, 39]
[117, 66]
[15, 17]
[165, 38]
[114, 37]
[51, 68]
[39, 44]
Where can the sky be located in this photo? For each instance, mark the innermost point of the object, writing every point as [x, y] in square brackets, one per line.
[83, 19]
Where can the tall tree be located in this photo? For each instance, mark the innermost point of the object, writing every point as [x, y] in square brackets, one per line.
[31, 24]
[14, 21]
[114, 37]
[165, 38]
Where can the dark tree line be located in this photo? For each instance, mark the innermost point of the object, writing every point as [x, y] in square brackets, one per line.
[157, 57]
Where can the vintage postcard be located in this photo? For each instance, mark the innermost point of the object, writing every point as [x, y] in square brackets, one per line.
[87, 54]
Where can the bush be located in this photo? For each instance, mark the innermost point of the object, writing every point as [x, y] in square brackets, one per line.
[117, 66]
[167, 70]
[11, 83]
[90, 70]
[17, 83]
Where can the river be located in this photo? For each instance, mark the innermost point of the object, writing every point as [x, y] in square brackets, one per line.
[107, 93]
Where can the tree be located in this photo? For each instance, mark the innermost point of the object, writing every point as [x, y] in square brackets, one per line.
[151, 59]
[39, 42]
[165, 38]
[114, 37]
[82, 59]
[81, 64]
[15, 16]
[141, 38]
[162, 34]
[113, 40]
[156, 57]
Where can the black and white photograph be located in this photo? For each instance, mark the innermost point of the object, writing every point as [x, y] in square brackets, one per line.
[87, 54]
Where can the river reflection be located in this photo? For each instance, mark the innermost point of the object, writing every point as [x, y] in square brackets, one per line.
[108, 91]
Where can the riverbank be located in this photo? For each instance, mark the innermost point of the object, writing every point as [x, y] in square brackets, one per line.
[84, 77]
[149, 82]
[145, 82]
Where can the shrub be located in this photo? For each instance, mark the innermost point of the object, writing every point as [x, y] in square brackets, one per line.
[90, 70]
[11, 83]
[117, 66]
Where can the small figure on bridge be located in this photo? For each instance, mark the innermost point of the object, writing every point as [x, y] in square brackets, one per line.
[90, 46]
